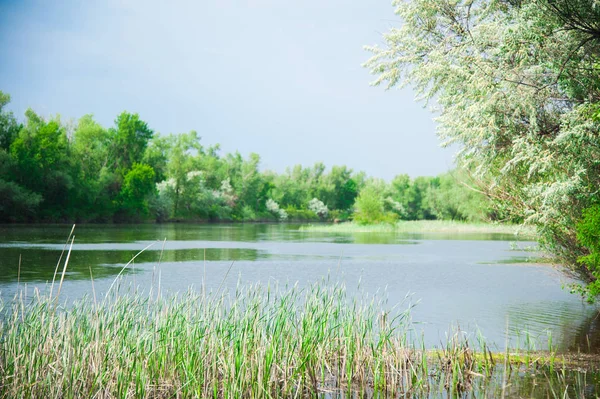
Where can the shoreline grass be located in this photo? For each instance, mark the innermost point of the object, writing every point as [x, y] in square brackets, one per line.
[256, 342]
[424, 226]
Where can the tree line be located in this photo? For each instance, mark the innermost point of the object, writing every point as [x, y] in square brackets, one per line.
[84, 172]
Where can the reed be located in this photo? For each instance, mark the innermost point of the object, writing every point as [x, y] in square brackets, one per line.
[255, 342]
[425, 226]
[252, 342]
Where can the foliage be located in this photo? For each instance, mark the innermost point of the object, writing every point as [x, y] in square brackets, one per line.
[453, 199]
[9, 128]
[370, 207]
[517, 87]
[129, 140]
[41, 163]
[96, 185]
[138, 186]
[588, 235]
[126, 172]
[17, 204]
[247, 214]
[256, 342]
[301, 215]
[337, 215]
[275, 210]
[318, 207]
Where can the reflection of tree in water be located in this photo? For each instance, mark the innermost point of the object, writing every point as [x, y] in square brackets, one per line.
[120, 233]
[541, 382]
[211, 254]
[374, 238]
[587, 336]
[564, 319]
[38, 265]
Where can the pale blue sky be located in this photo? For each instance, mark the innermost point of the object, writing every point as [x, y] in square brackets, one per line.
[283, 79]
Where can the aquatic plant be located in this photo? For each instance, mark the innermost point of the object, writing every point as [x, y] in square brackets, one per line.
[257, 342]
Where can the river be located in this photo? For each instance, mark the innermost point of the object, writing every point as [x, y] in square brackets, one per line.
[480, 283]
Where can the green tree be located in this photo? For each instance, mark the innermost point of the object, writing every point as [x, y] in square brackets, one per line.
[42, 164]
[347, 194]
[157, 156]
[17, 204]
[344, 188]
[183, 159]
[138, 186]
[292, 189]
[96, 186]
[9, 128]
[129, 139]
[588, 235]
[454, 199]
[370, 205]
[518, 89]
[249, 185]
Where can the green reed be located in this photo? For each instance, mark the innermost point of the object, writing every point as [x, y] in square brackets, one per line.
[252, 342]
[258, 342]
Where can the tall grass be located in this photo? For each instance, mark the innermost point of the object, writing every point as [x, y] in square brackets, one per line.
[253, 342]
[256, 342]
[424, 226]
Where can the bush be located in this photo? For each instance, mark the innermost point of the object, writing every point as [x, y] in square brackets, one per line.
[370, 208]
[588, 235]
[248, 214]
[301, 215]
[17, 204]
[338, 215]
[276, 211]
[318, 207]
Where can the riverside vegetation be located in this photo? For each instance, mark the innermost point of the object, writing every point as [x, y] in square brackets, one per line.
[52, 171]
[258, 342]
[517, 87]
[425, 226]
[55, 172]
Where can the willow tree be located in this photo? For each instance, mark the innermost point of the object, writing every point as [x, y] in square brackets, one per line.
[516, 84]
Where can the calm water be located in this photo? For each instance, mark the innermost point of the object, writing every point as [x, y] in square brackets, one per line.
[478, 282]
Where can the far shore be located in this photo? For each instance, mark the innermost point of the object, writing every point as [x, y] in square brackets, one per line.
[426, 226]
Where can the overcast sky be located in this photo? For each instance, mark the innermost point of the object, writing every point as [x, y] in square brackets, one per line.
[282, 79]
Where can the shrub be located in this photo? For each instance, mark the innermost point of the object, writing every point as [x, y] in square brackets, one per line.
[300, 214]
[370, 208]
[318, 207]
[588, 235]
[273, 207]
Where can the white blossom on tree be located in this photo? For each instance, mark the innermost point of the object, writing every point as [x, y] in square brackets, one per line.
[273, 207]
[318, 207]
[516, 85]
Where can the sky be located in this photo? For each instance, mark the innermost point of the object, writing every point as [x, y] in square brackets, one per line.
[282, 79]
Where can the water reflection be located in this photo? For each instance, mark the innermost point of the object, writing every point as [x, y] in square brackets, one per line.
[537, 383]
[476, 281]
[218, 232]
[38, 264]
[530, 323]
[587, 335]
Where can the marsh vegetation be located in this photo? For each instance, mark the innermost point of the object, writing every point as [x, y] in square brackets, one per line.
[137, 331]
[259, 342]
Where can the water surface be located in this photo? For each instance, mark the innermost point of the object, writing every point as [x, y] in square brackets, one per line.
[480, 283]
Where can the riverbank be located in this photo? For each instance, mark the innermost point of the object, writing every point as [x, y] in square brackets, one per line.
[258, 342]
[425, 226]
